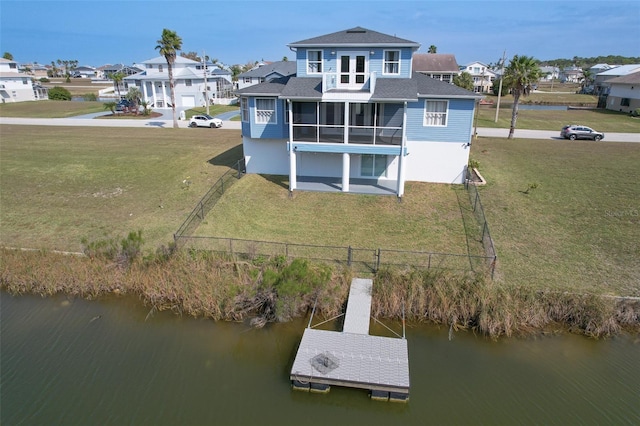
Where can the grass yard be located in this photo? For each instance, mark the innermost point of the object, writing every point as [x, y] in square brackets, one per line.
[601, 120]
[60, 184]
[50, 109]
[580, 228]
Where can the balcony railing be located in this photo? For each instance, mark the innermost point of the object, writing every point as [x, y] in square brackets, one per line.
[357, 134]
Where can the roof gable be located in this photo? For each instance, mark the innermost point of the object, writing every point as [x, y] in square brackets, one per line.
[357, 36]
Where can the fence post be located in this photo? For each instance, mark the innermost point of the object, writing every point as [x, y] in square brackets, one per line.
[349, 256]
[429, 265]
[377, 260]
[201, 211]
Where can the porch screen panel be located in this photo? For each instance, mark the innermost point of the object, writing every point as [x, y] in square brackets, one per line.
[390, 115]
[304, 113]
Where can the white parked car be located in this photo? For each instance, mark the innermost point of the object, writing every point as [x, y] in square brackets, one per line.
[204, 120]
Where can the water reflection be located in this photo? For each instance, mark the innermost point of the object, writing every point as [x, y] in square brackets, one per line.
[69, 361]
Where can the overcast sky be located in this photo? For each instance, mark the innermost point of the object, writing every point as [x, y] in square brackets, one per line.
[97, 32]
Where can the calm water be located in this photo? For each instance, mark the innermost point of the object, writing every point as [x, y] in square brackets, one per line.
[69, 361]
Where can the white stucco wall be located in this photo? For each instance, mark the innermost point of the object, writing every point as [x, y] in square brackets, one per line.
[439, 162]
[266, 156]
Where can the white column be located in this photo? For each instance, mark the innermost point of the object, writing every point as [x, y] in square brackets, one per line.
[401, 159]
[293, 183]
[346, 163]
[164, 95]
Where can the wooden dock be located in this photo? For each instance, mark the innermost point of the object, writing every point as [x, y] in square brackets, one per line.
[353, 358]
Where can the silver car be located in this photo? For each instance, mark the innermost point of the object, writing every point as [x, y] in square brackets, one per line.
[577, 131]
[204, 120]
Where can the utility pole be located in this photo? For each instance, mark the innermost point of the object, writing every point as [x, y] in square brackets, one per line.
[504, 54]
[206, 88]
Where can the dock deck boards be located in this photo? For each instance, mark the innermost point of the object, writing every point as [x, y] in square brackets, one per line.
[357, 318]
[367, 362]
[353, 358]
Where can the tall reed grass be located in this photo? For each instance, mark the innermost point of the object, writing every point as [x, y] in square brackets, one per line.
[262, 290]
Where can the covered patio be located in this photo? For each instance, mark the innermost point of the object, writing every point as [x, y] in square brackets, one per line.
[357, 186]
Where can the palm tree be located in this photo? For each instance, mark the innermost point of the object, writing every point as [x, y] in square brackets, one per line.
[464, 80]
[134, 96]
[167, 46]
[432, 49]
[521, 73]
[111, 106]
[117, 79]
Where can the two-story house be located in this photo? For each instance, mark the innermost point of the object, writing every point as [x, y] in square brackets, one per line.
[482, 75]
[356, 117]
[189, 82]
[266, 72]
[441, 66]
[16, 86]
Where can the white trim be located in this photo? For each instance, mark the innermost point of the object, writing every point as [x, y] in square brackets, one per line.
[435, 115]
[273, 118]
[320, 62]
[385, 62]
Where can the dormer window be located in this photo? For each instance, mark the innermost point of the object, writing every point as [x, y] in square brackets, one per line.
[314, 62]
[391, 62]
[159, 68]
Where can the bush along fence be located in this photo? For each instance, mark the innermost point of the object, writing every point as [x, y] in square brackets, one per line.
[478, 211]
[363, 260]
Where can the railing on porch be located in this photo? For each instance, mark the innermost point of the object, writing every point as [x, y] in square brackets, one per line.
[372, 135]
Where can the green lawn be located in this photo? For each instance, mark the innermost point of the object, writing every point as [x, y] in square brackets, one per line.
[50, 109]
[602, 120]
[580, 228]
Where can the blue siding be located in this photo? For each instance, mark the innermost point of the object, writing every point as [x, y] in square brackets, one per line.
[459, 122]
[278, 130]
[376, 62]
[330, 61]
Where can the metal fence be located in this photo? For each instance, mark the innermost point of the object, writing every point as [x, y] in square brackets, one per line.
[368, 260]
[478, 211]
[207, 202]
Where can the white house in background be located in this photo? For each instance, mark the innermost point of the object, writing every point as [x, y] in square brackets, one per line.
[598, 68]
[624, 92]
[441, 66]
[550, 73]
[571, 75]
[266, 72]
[482, 76]
[189, 82]
[356, 117]
[16, 86]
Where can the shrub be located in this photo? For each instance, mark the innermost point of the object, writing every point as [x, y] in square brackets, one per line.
[44, 80]
[59, 94]
[636, 112]
[90, 97]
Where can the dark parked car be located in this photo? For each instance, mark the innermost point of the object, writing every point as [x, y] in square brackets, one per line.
[123, 104]
[577, 131]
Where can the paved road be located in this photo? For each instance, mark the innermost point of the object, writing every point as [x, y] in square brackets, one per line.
[167, 122]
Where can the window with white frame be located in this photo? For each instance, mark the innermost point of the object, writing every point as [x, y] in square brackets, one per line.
[244, 108]
[391, 62]
[314, 62]
[265, 110]
[187, 82]
[159, 68]
[247, 79]
[435, 113]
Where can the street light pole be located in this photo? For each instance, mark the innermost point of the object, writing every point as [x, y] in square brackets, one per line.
[206, 88]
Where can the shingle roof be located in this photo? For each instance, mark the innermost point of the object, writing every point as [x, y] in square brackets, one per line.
[435, 62]
[283, 68]
[428, 86]
[357, 36]
[395, 89]
[271, 88]
[633, 78]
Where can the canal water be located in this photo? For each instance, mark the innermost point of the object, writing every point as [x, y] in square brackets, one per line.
[115, 362]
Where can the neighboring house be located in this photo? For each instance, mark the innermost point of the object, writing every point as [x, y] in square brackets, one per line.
[602, 79]
[107, 72]
[571, 75]
[35, 69]
[16, 86]
[550, 73]
[598, 68]
[441, 66]
[266, 72]
[482, 75]
[188, 77]
[357, 117]
[624, 93]
[84, 72]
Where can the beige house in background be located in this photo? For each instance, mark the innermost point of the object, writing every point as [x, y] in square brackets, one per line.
[441, 66]
[624, 93]
[16, 86]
